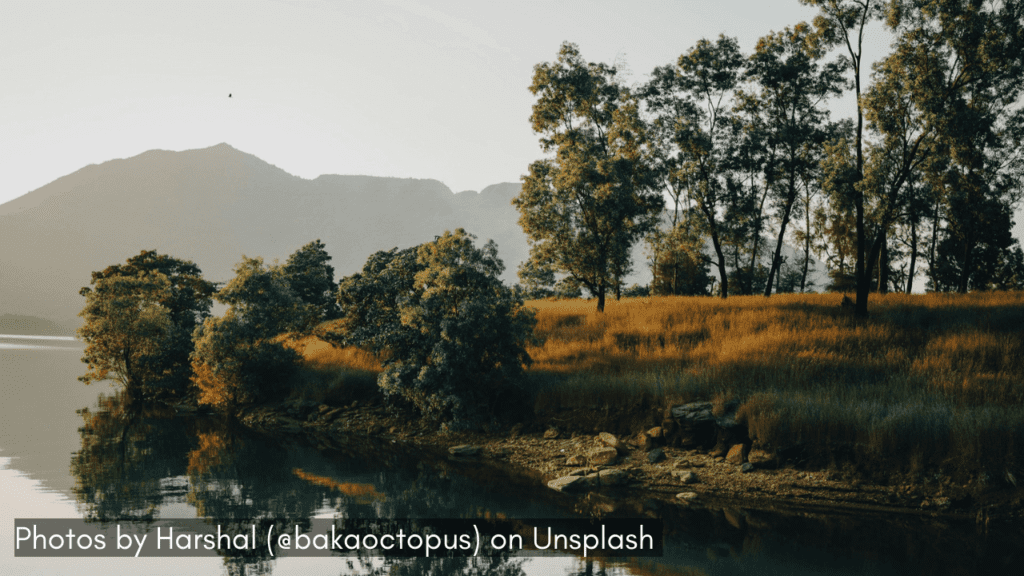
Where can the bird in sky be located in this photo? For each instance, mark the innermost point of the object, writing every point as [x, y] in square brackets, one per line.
[229, 95]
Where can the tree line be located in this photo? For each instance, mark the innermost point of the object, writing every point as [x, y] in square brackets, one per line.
[739, 150]
[450, 336]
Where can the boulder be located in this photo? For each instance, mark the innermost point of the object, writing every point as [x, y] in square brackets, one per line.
[685, 476]
[551, 434]
[603, 456]
[656, 433]
[613, 477]
[568, 483]
[747, 467]
[693, 413]
[575, 460]
[737, 454]
[656, 455]
[611, 441]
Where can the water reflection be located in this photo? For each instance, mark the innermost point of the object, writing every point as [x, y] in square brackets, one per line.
[144, 462]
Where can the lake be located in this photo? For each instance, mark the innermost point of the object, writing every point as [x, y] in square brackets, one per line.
[68, 450]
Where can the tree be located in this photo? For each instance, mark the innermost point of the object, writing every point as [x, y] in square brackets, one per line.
[695, 101]
[139, 318]
[589, 204]
[311, 279]
[126, 329]
[451, 335]
[842, 22]
[956, 70]
[678, 263]
[237, 360]
[789, 110]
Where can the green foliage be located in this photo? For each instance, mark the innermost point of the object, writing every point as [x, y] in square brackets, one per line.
[583, 209]
[678, 262]
[139, 317]
[451, 334]
[311, 279]
[236, 360]
[126, 328]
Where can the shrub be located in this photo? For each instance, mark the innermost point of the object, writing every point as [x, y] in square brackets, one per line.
[451, 335]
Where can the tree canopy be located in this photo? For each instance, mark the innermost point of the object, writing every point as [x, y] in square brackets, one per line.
[585, 208]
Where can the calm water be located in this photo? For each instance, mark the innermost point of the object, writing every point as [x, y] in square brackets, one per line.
[73, 451]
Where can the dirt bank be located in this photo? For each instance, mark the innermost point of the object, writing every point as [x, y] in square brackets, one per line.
[713, 479]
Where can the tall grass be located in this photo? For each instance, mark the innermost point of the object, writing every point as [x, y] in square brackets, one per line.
[927, 381]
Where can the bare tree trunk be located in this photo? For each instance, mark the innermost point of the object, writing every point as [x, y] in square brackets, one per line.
[913, 256]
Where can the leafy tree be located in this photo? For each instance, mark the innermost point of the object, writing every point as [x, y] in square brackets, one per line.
[126, 329]
[789, 110]
[938, 100]
[139, 321]
[842, 22]
[589, 204]
[678, 262]
[694, 100]
[537, 278]
[311, 278]
[236, 359]
[451, 334]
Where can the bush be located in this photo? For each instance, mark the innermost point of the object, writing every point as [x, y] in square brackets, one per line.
[236, 360]
[451, 334]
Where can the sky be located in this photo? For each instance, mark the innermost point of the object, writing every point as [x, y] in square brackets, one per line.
[402, 88]
[386, 88]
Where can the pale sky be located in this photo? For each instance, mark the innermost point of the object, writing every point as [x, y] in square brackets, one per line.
[399, 88]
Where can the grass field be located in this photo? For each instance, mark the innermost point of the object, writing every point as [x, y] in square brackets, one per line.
[927, 382]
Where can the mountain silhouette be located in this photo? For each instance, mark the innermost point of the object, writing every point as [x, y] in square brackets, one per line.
[212, 206]
[215, 204]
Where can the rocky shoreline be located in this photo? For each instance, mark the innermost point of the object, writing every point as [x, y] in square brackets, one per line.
[694, 458]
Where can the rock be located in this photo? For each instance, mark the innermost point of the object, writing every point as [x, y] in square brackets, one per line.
[464, 451]
[568, 483]
[613, 477]
[737, 454]
[575, 460]
[645, 442]
[605, 456]
[685, 476]
[393, 429]
[747, 467]
[656, 455]
[323, 408]
[551, 434]
[760, 458]
[656, 433]
[693, 413]
[610, 440]
[687, 496]
[593, 480]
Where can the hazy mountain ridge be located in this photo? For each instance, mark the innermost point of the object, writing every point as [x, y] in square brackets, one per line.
[213, 205]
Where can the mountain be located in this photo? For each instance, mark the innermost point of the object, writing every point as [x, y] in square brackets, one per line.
[212, 206]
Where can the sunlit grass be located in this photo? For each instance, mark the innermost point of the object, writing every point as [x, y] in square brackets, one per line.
[926, 381]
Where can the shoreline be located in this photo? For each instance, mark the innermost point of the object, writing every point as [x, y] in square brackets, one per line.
[766, 485]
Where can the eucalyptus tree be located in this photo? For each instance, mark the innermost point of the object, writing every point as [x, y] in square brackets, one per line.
[693, 101]
[842, 22]
[791, 87]
[597, 196]
[954, 77]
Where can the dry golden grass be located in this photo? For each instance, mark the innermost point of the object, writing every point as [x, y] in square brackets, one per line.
[933, 379]
[927, 381]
